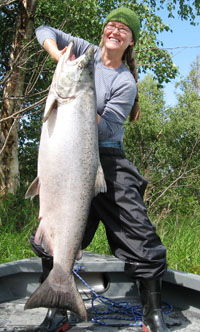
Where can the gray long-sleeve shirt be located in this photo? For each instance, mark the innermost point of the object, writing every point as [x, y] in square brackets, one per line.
[115, 88]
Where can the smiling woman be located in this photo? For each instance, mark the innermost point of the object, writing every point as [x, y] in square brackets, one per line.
[116, 38]
[124, 16]
[131, 236]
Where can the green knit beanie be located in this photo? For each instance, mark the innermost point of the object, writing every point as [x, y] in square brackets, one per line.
[126, 16]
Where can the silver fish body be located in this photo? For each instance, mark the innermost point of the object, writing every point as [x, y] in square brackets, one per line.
[69, 176]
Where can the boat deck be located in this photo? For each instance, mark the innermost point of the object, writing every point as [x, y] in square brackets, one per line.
[13, 318]
[105, 276]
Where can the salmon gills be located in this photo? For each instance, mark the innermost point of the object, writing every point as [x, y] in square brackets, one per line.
[69, 176]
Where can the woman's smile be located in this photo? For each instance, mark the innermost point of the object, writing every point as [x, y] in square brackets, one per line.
[118, 36]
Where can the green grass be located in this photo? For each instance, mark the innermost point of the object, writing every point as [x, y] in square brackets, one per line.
[99, 243]
[180, 235]
[181, 238]
[18, 219]
[14, 245]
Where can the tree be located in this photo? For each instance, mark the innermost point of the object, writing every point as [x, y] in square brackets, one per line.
[164, 145]
[194, 76]
[26, 70]
[185, 9]
[143, 139]
[13, 92]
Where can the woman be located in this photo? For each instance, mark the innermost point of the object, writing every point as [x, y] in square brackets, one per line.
[132, 237]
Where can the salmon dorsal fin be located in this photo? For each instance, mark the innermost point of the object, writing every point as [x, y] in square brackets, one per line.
[33, 189]
[100, 183]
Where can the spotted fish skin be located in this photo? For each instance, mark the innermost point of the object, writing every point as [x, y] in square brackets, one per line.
[69, 176]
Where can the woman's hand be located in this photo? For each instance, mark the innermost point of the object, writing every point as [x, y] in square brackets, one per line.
[51, 47]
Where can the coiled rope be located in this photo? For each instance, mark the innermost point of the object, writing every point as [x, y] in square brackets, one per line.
[119, 311]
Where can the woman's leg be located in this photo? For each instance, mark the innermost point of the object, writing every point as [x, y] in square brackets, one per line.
[132, 237]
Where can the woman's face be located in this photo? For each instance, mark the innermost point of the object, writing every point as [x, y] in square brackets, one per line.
[117, 36]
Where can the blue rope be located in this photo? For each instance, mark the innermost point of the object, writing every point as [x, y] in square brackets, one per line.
[130, 313]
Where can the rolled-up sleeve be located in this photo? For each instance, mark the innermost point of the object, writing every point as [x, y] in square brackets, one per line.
[45, 32]
[62, 39]
[117, 109]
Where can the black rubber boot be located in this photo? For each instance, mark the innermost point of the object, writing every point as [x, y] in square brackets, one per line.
[47, 260]
[150, 294]
[55, 321]
[47, 265]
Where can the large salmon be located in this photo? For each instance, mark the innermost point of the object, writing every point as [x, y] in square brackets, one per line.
[69, 175]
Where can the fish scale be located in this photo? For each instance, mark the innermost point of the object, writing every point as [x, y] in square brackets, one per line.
[69, 176]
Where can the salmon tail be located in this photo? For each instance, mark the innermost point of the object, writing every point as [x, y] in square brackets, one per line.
[100, 183]
[65, 297]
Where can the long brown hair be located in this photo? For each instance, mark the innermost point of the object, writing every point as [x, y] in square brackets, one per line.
[129, 59]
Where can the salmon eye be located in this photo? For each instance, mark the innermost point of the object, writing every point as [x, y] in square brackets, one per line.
[80, 66]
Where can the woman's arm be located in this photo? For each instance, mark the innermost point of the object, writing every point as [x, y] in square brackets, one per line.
[51, 47]
[55, 42]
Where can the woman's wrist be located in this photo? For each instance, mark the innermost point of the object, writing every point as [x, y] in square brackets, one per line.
[51, 47]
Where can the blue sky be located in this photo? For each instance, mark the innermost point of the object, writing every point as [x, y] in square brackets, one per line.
[185, 35]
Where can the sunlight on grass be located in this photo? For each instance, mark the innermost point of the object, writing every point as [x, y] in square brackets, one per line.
[181, 238]
[99, 243]
[180, 235]
[15, 246]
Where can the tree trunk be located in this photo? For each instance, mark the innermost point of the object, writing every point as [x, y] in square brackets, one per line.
[12, 98]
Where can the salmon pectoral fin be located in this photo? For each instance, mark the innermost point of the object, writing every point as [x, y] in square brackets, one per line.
[33, 189]
[50, 105]
[56, 295]
[100, 183]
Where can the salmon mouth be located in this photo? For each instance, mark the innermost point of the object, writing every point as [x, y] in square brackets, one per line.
[71, 54]
[68, 54]
[72, 57]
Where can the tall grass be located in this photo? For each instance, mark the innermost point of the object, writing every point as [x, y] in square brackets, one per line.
[15, 245]
[180, 234]
[99, 243]
[18, 219]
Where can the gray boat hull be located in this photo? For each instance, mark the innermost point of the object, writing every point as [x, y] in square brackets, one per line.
[105, 275]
